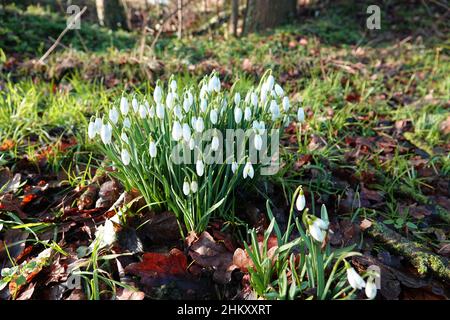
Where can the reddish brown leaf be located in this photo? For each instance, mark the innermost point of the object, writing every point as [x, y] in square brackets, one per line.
[155, 264]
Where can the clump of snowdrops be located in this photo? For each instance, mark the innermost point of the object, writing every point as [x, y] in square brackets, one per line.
[297, 267]
[139, 139]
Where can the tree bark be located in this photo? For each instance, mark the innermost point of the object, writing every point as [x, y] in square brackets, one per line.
[111, 14]
[264, 14]
[180, 19]
[234, 17]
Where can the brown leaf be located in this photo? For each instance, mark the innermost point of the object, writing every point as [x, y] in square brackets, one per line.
[445, 126]
[160, 265]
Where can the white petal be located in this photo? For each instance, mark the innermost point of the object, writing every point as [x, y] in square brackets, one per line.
[215, 143]
[286, 104]
[237, 114]
[317, 233]
[200, 168]
[152, 149]
[186, 132]
[157, 94]
[194, 186]
[237, 98]
[258, 142]
[247, 114]
[177, 132]
[279, 90]
[124, 106]
[301, 115]
[91, 130]
[234, 166]
[186, 188]
[135, 105]
[301, 202]
[354, 279]
[371, 288]
[142, 111]
[213, 116]
[125, 157]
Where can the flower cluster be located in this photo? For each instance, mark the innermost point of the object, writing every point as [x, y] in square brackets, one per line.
[170, 146]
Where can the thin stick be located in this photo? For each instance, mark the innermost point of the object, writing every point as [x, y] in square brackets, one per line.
[41, 60]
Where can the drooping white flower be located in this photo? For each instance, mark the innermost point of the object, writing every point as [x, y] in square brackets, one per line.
[186, 132]
[135, 105]
[234, 166]
[214, 84]
[125, 156]
[237, 115]
[254, 99]
[301, 115]
[354, 279]
[191, 144]
[114, 115]
[203, 92]
[270, 82]
[188, 101]
[317, 233]
[371, 288]
[258, 142]
[173, 85]
[213, 116]
[124, 137]
[152, 149]
[215, 143]
[160, 110]
[286, 104]
[194, 186]
[199, 125]
[193, 121]
[237, 98]
[106, 133]
[300, 203]
[98, 125]
[127, 123]
[177, 131]
[279, 90]
[177, 112]
[91, 130]
[142, 111]
[157, 94]
[247, 114]
[263, 96]
[151, 112]
[248, 170]
[199, 167]
[186, 188]
[274, 109]
[203, 105]
[124, 106]
[170, 100]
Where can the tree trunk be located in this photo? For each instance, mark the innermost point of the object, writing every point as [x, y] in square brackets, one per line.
[111, 14]
[180, 18]
[263, 14]
[234, 17]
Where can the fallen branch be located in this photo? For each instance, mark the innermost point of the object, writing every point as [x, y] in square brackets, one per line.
[420, 257]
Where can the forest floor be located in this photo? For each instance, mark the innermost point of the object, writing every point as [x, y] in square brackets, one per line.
[374, 149]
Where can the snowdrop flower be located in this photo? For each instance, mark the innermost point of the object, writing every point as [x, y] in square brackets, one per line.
[191, 144]
[263, 94]
[173, 85]
[151, 112]
[300, 203]
[186, 188]
[193, 121]
[234, 166]
[316, 232]
[204, 92]
[214, 84]
[237, 98]
[170, 100]
[199, 125]
[213, 116]
[247, 114]
[186, 132]
[124, 137]
[203, 105]
[194, 186]
[127, 123]
[114, 115]
[270, 82]
[199, 167]
[91, 130]
[286, 104]
[142, 111]
[157, 94]
[258, 142]
[177, 132]
[274, 109]
[152, 149]
[301, 115]
[98, 125]
[247, 97]
[215, 143]
[237, 115]
[371, 288]
[125, 157]
[106, 133]
[354, 279]
[279, 90]
[248, 170]
[254, 99]
[135, 105]
[188, 101]
[124, 106]
[160, 111]
[177, 112]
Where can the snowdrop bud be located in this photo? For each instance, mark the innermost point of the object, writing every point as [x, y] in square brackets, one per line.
[301, 115]
[135, 105]
[160, 111]
[354, 279]
[125, 157]
[203, 92]
[194, 186]
[213, 116]
[263, 94]
[142, 111]
[274, 109]
[106, 133]
[124, 137]
[254, 99]
[193, 121]
[215, 143]
[199, 167]
[98, 125]
[258, 142]
[127, 123]
[371, 288]
[186, 105]
[237, 98]
[279, 90]
[152, 149]
[247, 97]
[286, 104]
[270, 82]
[91, 130]
[177, 132]
[203, 105]
[234, 166]
[170, 100]
[114, 115]
[248, 170]
[124, 106]
[173, 85]
[317, 233]
[186, 132]
[191, 144]
[199, 125]
[186, 188]
[237, 114]
[214, 84]
[157, 94]
[247, 114]
[301, 201]
[177, 112]
[151, 112]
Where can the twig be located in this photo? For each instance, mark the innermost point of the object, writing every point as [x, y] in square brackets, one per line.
[41, 60]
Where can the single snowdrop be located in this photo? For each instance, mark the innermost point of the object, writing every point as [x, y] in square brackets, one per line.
[125, 156]
[258, 142]
[173, 85]
[186, 132]
[127, 123]
[124, 106]
[247, 114]
[237, 115]
[152, 149]
[371, 288]
[199, 125]
[213, 116]
[237, 98]
[300, 203]
[114, 115]
[191, 144]
[194, 186]
[142, 111]
[135, 105]
[214, 84]
[160, 110]
[98, 125]
[124, 137]
[279, 90]
[286, 104]
[301, 115]
[199, 167]
[248, 170]
[274, 109]
[215, 143]
[234, 166]
[203, 105]
[177, 131]
[177, 112]
[106, 133]
[354, 279]
[270, 82]
[91, 130]
[157, 94]
[254, 99]
[170, 100]
[186, 188]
